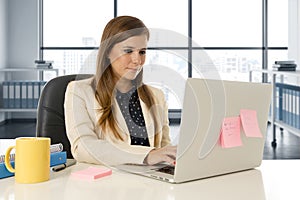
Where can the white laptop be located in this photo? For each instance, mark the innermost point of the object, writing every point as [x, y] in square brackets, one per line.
[199, 151]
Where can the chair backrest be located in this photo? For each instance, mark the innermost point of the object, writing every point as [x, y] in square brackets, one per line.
[50, 112]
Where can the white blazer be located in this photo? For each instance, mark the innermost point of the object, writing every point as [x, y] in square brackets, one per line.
[89, 144]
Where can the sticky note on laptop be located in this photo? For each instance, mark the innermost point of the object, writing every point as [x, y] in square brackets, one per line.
[230, 132]
[250, 123]
[92, 173]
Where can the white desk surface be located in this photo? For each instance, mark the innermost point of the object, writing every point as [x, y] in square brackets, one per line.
[273, 180]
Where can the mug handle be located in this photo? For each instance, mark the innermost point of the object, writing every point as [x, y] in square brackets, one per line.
[7, 160]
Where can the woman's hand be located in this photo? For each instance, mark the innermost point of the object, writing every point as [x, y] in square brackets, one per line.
[164, 154]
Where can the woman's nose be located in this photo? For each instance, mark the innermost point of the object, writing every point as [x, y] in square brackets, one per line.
[136, 58]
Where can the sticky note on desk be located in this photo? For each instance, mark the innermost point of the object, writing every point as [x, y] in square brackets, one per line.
[249, 123]
[92, 173]
[230, 132]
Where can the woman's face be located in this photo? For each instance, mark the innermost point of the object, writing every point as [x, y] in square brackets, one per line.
[127, 57]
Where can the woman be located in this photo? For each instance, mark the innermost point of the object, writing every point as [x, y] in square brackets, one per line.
[113, 118]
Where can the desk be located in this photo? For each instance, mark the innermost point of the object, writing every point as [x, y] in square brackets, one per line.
[273, 180]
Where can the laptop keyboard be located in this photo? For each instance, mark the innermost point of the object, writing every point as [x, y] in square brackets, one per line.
[167, 169]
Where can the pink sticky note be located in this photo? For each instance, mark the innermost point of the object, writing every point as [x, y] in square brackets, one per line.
[230, 132]
[249, 123]
[92, 173]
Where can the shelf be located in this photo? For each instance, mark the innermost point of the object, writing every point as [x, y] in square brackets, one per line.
[9, 72]
[39, 71]
[18, 109]
[27, 69]
[275, 122]
[288, 73]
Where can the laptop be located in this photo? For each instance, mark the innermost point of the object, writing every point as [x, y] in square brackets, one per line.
[200, 154]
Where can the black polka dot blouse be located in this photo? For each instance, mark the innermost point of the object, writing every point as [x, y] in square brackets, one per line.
[131, 109]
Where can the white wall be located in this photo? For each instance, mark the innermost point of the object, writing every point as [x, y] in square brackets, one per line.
[294, 36]
[3, 38]
[22, 40]
[22, 32]
[3, 33]
[294, 31]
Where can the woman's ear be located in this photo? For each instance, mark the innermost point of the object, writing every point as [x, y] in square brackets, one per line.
[108, 56]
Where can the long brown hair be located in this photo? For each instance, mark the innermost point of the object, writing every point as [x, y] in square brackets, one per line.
[117, 30]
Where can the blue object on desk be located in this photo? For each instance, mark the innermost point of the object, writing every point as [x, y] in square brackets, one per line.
[4, 172]
[56, 158]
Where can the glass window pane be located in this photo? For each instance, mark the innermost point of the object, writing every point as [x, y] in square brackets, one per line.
[73, 61]
[155, 14]
[278, 23]
[161, 64]
[227, 23]
[70, 23]
[230, 65]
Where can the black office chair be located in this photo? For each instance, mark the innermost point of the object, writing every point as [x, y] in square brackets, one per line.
[50, 112]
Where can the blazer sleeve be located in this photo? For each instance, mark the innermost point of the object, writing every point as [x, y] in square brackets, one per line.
[86, 143]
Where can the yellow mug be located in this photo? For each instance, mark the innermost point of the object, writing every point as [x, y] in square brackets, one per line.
[32, 159]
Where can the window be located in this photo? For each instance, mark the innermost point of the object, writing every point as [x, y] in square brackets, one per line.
[227, 37]
[158, 14]
[71, 32]
[230, 23]
[162, 64]
[75, 23]
[227, 64]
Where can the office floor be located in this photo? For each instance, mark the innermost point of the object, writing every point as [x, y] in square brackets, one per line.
[288, 145]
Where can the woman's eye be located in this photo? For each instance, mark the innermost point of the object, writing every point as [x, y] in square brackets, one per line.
[143, 52]
[128, 50]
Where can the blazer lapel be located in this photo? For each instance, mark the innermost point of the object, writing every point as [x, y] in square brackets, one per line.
[120, 120]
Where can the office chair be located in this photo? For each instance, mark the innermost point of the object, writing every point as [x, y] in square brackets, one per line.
[50, 111]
